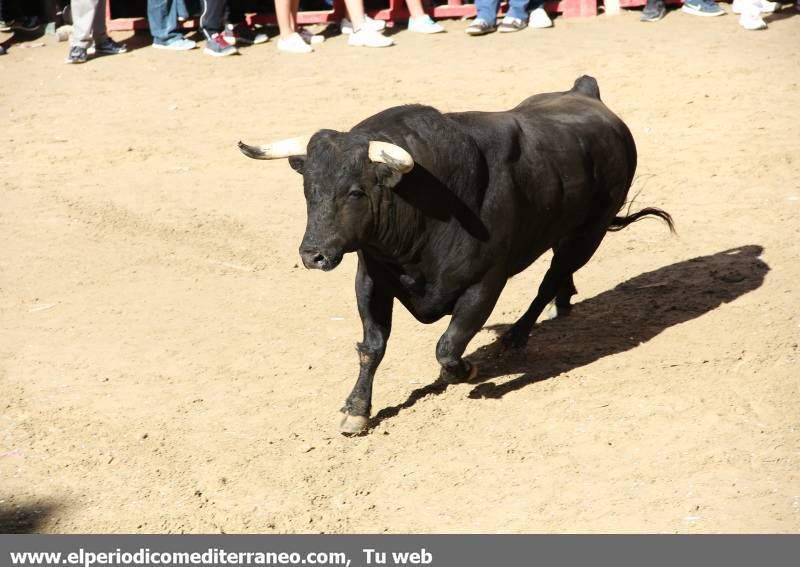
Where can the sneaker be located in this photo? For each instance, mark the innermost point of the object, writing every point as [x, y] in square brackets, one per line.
[375, 25]
[750, 18]
[480, 27]
[752, 21]
[218, 47]
[702, 8]
[242, 34]
[294, 44]
[310, 38]
[539, 19]
[2, 50]
[177, 44]
[511, 24]
[77, 54]
[366, 37]
[424, 24]
[110, 47]
[653, 11]
[6, 25]
[764, 6]
[27, 24]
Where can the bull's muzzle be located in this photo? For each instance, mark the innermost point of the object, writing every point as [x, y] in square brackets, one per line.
[319, 260]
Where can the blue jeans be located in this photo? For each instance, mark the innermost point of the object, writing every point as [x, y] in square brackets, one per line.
[487, 9]
[162, 17]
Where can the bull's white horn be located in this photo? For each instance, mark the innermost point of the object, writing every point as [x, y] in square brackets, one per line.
[282, 149]
[393, 156]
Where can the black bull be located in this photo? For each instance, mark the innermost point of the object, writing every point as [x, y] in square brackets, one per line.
[487, 193]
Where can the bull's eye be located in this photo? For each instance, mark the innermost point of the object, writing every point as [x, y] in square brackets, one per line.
[355, 193]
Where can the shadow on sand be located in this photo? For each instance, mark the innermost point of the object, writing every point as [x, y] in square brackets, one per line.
[615, 321]
[24, 519]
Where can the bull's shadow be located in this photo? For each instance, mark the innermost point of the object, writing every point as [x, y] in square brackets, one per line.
[25, 519]
[615, 321]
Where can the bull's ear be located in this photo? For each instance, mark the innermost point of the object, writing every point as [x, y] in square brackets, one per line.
[298, 163]
[387, 176]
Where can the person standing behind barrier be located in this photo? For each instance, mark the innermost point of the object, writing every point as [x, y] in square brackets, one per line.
[292, 38]
[212, 23]
[89, 25]
[365, 31]
[237, 31]
[516, 18]
[418, 21]
[162, 17]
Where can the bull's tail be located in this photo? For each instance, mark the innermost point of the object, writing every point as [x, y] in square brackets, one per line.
[621, 222]
[587, 85]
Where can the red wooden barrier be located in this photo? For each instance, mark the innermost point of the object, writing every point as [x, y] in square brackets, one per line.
[640, 3]
[396, 12]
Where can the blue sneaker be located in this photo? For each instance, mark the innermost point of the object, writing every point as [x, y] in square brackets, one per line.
[702, 8]
[177, 44]
[424, 24]
[653, 11]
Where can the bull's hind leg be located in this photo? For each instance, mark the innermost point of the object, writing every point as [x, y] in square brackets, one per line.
[569, 256]
[564, 297]
[375, 308]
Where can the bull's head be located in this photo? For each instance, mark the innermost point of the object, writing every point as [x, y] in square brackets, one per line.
[345, 176]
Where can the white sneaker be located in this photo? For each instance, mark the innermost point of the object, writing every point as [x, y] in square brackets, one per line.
[424, 25]
[539, 19]
[376, 25]
[311, 38]
[369, 38]
[752, 21]
[764, 6]
[294, 44]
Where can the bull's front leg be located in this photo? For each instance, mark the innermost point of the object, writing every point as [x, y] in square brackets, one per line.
[375, 307]
[469, 315]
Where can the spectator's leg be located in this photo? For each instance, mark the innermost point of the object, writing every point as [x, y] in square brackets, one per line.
[83, 18]
[487, 10]
[99, 30]
[182, 9]
[285, 11]
[518, 9]
[415, 8]
[235, 11]
[162, 17]
[355, 9]
[212, 17]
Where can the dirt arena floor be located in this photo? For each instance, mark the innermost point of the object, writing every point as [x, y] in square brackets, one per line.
[167, 365]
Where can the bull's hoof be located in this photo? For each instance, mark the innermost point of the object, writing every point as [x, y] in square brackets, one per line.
[563, 311]
[515, 337]
[353, 424]
[463, 372]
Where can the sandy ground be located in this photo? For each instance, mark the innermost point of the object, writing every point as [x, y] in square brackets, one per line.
[166, 366]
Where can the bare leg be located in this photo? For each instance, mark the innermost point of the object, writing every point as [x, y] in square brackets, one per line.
[293, 14]
[284, 11]
[415, 8]
[355, 9]
[375, 307]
